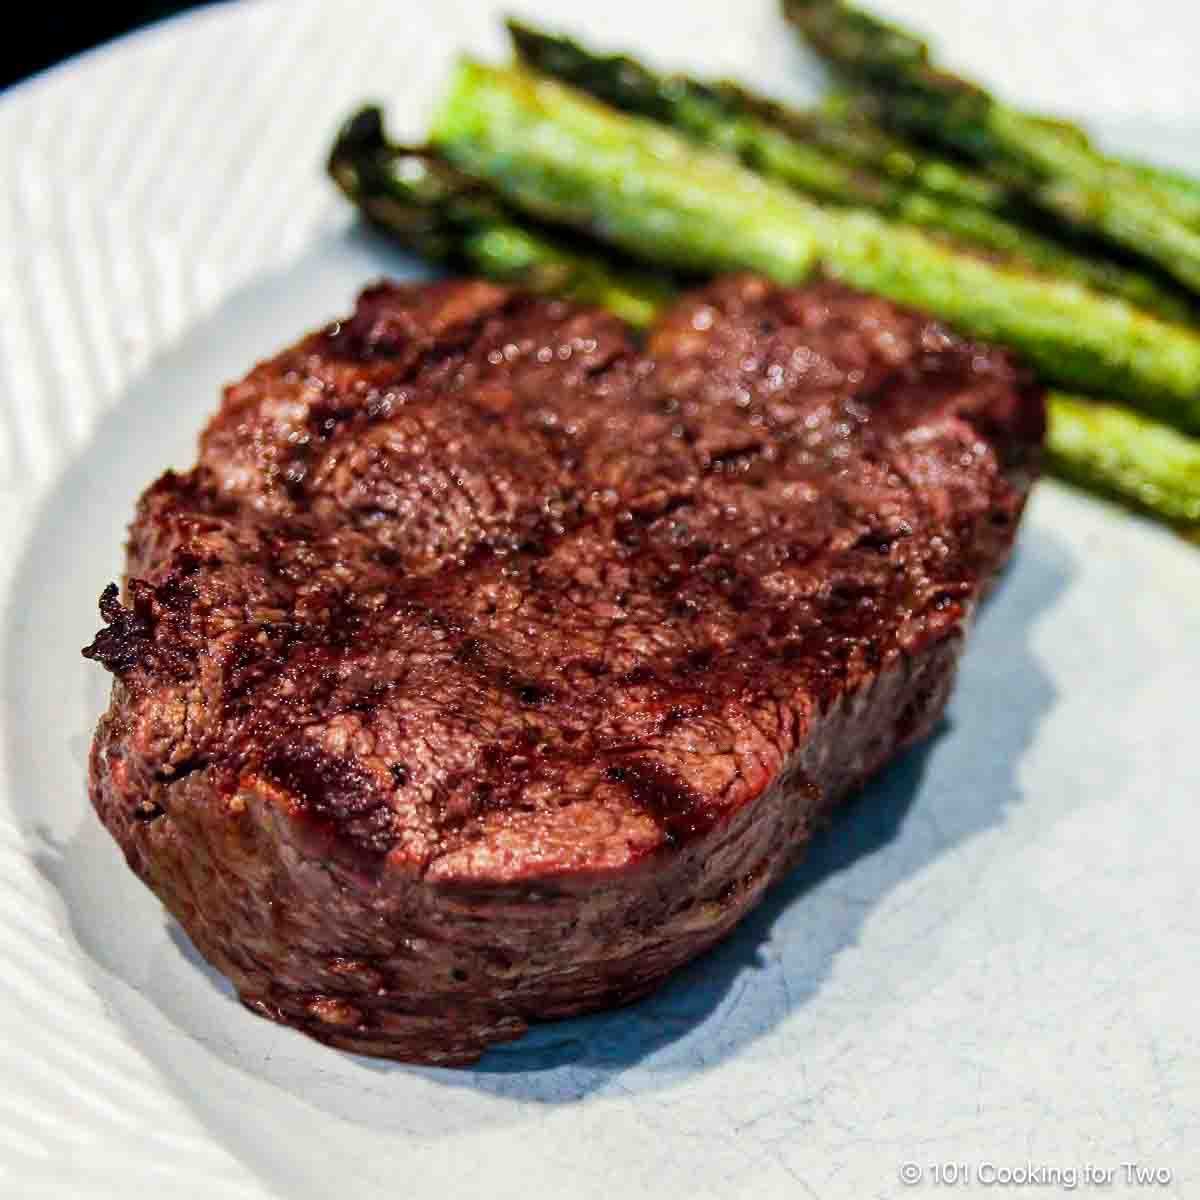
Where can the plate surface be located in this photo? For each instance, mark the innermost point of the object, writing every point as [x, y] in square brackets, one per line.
[993, 958]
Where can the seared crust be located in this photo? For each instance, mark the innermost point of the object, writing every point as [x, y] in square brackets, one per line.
[485, 669]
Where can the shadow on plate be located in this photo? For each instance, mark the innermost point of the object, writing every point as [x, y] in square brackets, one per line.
[934, 799]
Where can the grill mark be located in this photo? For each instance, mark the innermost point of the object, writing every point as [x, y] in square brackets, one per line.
[335, 790]
[678, 810]
[486, 662]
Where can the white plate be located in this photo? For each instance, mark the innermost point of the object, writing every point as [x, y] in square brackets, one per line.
[994, 958]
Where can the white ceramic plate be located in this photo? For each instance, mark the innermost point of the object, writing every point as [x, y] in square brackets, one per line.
[994, 958]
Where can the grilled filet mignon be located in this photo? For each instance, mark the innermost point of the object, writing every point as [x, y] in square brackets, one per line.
[487, 666]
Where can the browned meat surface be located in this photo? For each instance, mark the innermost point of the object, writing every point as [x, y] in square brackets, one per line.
[486, 668]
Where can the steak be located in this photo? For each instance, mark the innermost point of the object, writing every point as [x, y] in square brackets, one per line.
[487, 667]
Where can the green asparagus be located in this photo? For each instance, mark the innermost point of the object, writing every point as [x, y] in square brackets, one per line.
[1060, 172]
[1183, 187]
[443, 215]
[1121, 454]
[768, 138]
[865, 114]
[1178, 190]
[850, 125]
[691, 104]
[557, 153]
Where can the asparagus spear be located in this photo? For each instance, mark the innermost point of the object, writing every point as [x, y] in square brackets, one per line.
[1181, 190]
[1183, 187]
[1121, 454]
[415, 197]
[771, 139]
[444, 215]
[863, 110]
[850, 125]
[1177, 189]
[680, 100]
[554, 152]
[1060, 172]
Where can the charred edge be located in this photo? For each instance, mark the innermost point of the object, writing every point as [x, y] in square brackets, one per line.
[382, 328]
[129, 642]
[123, 643]
[128, 636]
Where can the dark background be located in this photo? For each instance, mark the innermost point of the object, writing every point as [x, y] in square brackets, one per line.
[41, 38]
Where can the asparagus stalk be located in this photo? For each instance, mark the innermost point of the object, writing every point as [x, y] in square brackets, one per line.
[1119, 453]
[1184, 188]
[850, 125]
[554, 152]
[771, 139]
[679, 100]
[445, 216]
[1178, 190]
[450, 218]
[1060, 172]
[865, 113]
[557, 155]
